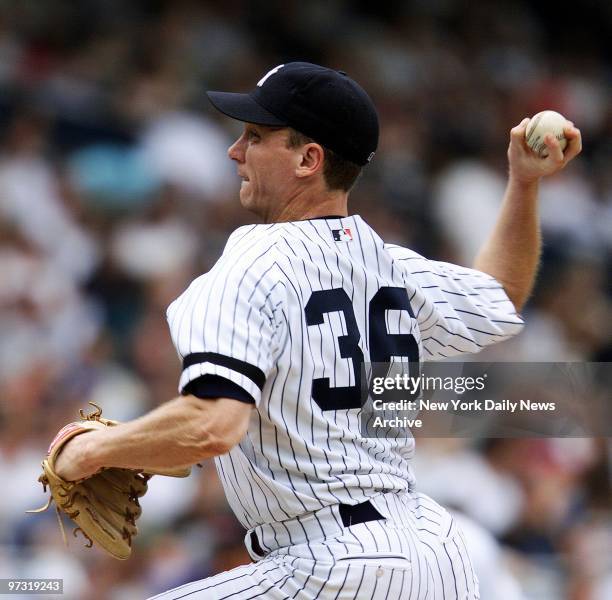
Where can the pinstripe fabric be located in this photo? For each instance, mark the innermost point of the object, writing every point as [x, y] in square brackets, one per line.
[245, 320]
[418, 554]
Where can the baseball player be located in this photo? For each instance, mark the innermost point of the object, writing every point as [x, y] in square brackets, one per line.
[273, 337]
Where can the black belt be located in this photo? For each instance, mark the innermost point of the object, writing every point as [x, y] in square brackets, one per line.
[351, 514]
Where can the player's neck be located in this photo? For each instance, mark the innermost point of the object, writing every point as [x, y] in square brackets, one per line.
[310, 206]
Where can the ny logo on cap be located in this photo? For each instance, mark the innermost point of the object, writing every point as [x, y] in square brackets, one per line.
[270, 72]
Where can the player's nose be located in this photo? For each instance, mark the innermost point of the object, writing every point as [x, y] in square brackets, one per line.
[236, 150]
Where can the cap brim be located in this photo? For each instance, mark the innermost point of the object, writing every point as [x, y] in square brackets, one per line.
[243, 108]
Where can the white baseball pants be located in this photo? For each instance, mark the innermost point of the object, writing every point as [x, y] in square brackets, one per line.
[416, 553]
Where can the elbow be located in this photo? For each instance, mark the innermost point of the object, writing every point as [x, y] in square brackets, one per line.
[223, 427]
[201, 442]
[518, 296]
[214, 443]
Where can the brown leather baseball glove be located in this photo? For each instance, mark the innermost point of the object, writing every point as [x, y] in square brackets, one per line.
[105, 506]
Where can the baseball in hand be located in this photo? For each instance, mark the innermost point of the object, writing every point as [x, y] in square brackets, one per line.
[547, 121]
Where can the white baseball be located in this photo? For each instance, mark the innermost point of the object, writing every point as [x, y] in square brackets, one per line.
[547, 121]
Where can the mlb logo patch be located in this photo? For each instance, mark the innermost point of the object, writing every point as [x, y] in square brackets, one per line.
[342, 235]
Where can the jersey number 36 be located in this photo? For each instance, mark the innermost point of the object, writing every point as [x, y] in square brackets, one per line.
[383, 345]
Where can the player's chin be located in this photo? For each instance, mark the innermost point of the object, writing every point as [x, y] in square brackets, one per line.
[246, 198]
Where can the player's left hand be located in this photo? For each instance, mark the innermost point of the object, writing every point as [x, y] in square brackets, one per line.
[103, 502]
[71, 464]
[526, 167]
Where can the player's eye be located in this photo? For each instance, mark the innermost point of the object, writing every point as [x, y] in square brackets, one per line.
[252, 135]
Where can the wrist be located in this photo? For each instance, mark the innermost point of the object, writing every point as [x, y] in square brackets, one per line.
[522, 184]
[523, 194]
[80, 457]
[89, 459]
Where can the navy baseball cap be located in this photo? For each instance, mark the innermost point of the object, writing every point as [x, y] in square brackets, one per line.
[323, 104]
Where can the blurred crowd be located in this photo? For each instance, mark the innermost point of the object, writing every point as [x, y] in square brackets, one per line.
[116, 191]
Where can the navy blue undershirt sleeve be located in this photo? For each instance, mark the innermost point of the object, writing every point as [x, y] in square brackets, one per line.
[214, 386]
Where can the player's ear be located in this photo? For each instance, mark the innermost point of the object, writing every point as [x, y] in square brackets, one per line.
[310, 159]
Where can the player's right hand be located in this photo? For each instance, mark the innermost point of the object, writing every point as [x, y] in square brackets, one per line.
[526, 167]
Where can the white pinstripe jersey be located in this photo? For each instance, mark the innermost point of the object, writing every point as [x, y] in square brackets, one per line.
[286, 314]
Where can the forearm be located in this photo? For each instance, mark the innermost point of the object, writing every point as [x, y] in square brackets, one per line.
[180, 432]
[512, 252]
